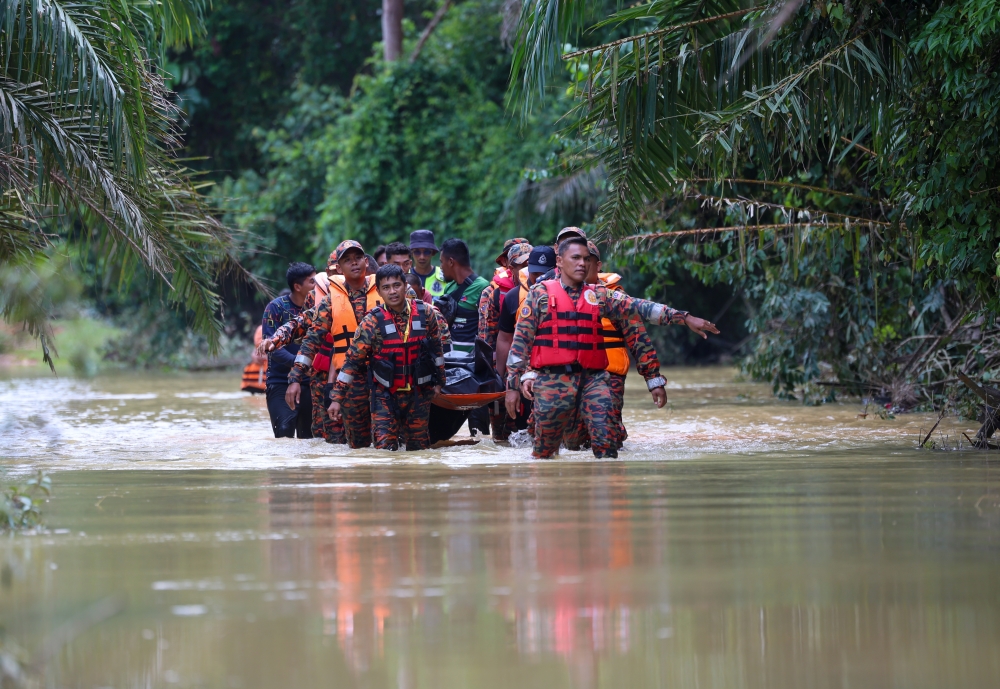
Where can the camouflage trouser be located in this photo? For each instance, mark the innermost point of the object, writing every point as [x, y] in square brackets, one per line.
[409, 427]
[577, 437]
[357, 413]
[322, 426]
[562, 399]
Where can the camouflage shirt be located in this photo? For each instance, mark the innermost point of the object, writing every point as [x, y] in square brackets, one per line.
[368, 343]
[320, 324]
[615, 305]
[489, 316]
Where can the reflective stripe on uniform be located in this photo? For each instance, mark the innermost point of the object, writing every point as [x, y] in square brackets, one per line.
[304, 360]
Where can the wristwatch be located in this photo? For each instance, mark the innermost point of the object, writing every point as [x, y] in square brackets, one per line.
[658, 382]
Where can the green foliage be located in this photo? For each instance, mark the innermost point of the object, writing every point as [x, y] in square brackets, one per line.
[422, 144]
[833, 162]
[19, 503]
[241, 78]
[88, 152]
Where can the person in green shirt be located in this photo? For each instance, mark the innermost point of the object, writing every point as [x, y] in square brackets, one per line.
[464, 288]
[423, 249]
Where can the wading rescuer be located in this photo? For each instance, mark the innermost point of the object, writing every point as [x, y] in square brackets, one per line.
[517, 262]
[461, 294]
[296, 329]
[559, 334]
[541, 260]
[285, 421]
[400, 345]
[423, 250]
[352, 295]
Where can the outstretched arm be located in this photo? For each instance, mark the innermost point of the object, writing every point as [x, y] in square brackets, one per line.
[618, 305]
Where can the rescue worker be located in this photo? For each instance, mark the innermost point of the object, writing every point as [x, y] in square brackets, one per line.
[540, 261]
[400, 344]
[559, 334]
[286, 421]
[504, 280]
[417, 287]
[379, 255]
[490, 306]
[294, 331]
[620, 339]
[463, 290]
[460, 306]
[352, 295]
[423, 250]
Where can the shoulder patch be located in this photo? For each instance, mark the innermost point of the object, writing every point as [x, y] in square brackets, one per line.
[525, 311]
[616, 294]
[590, 297]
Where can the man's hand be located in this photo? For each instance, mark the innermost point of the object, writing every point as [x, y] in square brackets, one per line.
[700, 326]
[334, 411]
[264, 347]
[437, 390]
[659, 396]
[528, 388]
[292, 395]
[512, 401]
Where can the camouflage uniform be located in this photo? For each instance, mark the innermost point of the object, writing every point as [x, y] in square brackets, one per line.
[399, 419]
[559, 397]
[489, 315]
[355, 426]
[443, 330]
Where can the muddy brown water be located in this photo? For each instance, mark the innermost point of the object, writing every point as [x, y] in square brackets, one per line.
[739, 541]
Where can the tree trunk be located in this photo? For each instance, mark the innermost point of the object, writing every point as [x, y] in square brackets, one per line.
[392, 29]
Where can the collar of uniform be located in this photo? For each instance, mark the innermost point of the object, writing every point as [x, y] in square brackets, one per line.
[573, 292]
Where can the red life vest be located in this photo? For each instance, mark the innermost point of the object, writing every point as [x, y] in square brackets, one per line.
[503, 280]
[402, 355]
[570, 333]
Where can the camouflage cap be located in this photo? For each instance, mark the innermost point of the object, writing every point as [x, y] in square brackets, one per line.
[507, 245]
[592, 248]
[519, 253]
[342, 248]
[567, 232]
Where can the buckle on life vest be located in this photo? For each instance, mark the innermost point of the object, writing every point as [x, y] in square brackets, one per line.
[562, 370]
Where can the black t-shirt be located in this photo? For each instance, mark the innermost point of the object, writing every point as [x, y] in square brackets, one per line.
[508, 311]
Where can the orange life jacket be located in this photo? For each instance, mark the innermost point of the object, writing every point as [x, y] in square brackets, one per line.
[614, 340]
[344, 324]
[402, 354]
[570, 333]
[254, 377]
[254, 374]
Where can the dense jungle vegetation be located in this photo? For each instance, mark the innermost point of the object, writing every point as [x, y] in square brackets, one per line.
[815, 175]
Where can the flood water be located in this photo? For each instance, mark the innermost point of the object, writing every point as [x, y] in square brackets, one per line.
[739, 541]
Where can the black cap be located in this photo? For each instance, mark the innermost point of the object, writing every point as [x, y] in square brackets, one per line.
[422, 239]
[542, 259]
